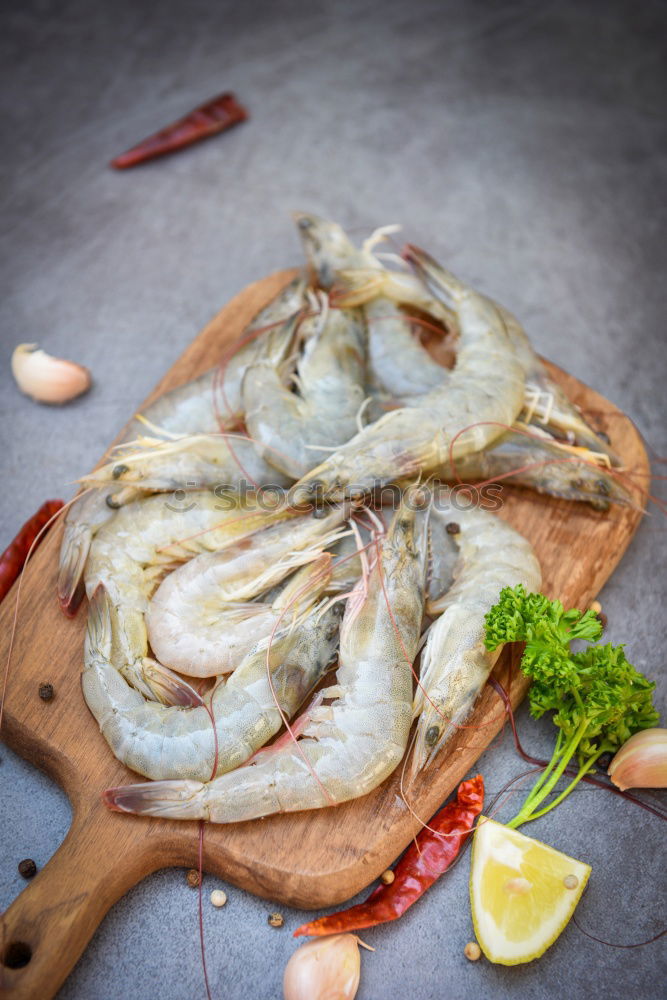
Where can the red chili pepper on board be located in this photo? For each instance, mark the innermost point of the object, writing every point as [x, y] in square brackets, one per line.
[423, 863]
[14, 556]
[215, 116]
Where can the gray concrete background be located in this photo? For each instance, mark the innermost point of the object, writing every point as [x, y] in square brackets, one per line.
[522, 142]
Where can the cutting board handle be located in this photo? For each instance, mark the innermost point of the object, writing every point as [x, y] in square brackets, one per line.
[47, 927]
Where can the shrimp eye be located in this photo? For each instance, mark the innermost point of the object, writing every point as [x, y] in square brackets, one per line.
[308, 492]
[420, 499]
[304, 222]
[112, 502]
[432, 735]
[119, 470]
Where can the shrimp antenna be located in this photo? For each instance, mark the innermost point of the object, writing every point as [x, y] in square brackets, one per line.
[360, 412]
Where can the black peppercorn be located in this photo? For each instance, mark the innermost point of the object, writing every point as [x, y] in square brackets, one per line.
[27, 868]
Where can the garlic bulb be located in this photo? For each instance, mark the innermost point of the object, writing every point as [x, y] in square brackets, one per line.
[325, 969]
[48, 379]
[642, 761]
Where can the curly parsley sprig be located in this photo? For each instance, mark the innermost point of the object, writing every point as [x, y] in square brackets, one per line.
[598, 698]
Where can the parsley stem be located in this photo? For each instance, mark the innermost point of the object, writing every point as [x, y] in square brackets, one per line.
[526, 812]
[583, 770]
[555, 757]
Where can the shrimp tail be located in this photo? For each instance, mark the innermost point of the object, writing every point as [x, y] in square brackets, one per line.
[87, 513]
[168, 687]
[150, 678]
[172, 799]
[73, 554]
[98, 627]
[439, 281]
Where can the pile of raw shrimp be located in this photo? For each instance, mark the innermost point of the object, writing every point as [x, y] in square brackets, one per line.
[290, 511]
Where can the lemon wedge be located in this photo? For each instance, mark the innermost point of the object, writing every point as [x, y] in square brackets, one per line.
[522, 892]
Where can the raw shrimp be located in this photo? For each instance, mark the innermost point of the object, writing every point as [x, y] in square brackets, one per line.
[288, 427]
[364, 280]
[484, 392]
[194, 461]
[455, 663]
[525, 457]
[241, 714]
[145, 540]
[195, 623]
[544, 400]
[347, 748]
[193, 407]
[330, 255]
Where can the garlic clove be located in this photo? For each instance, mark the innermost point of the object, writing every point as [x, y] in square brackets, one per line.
[325, 969]
[48, 379]
[642, 761]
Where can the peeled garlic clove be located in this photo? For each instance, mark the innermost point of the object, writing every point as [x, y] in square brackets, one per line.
[325, 969]
[48, 379]
[642, 761]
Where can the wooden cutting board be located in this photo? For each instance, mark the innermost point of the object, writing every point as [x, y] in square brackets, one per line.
[309, 859]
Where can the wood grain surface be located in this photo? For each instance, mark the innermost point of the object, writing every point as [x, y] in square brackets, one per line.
[308, 859]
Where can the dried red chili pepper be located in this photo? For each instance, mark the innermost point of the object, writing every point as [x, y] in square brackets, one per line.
[420, 866]
[14, 556]
[215, 116]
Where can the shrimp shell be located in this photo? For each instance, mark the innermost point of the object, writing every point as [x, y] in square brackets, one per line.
[455, 663]
[165, 742]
